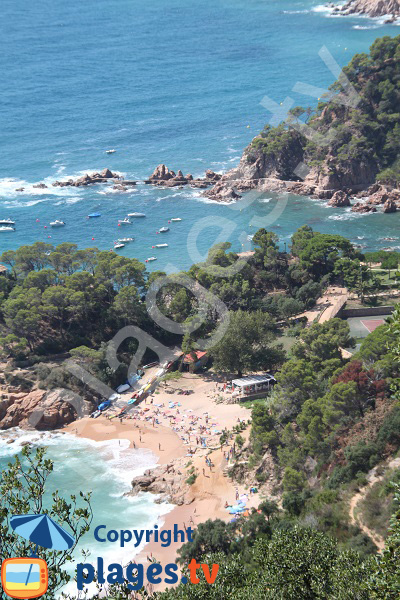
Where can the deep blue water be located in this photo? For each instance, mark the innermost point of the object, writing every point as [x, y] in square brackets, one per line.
[178, 82]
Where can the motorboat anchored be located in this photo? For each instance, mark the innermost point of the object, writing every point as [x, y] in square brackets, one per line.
[57, 223]
[176, 219]
[160, 246]
[125, 240]
[136, 215]
[164, 230]
[125, 221]
[6, 228]
[151, 259]
[94, 215]
[118, 246]
[111, 151]
[6, 222]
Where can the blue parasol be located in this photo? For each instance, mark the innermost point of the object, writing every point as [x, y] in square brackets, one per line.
[42, 531]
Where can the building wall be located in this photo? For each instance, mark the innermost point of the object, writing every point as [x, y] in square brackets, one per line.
[367, 311]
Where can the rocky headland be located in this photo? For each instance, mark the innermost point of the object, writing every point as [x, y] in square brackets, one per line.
[345, 151]
[370, 8]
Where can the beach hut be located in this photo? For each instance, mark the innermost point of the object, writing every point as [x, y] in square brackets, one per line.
[194, 361]
[253, 384]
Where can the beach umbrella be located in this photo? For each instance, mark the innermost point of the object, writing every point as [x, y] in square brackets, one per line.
[42, 531]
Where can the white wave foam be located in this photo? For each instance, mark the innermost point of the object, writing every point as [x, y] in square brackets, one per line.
[362, 27]
[72, 200]
[322, 8]
[295, 12]
[206, 200]
[349, 215]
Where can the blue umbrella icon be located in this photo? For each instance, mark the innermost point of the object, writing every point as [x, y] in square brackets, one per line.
[42, 531]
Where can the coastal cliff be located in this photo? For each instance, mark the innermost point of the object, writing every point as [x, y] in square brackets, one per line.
[348, 143]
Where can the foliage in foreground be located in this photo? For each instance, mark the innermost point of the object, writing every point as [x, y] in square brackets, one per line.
[23, 491]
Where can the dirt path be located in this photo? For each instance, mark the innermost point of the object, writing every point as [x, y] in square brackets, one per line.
[360, 495]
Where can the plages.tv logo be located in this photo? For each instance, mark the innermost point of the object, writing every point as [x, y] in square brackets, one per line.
[28, 577]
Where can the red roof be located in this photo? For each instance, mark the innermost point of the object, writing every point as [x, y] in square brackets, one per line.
[199, 354]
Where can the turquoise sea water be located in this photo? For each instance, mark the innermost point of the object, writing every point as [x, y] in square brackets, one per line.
[106, 469]
[177, 83]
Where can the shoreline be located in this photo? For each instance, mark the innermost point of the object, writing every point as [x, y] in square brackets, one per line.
[212, 489]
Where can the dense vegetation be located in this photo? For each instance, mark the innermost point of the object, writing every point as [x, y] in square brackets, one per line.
[307, 549]
[342, 136]
[261, 557]
[50, 291]
[327, 422]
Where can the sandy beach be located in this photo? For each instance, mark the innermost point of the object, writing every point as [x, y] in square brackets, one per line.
[183, 431]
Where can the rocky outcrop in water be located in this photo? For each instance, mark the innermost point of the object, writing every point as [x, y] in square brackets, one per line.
[165, 177]
[390, 206]
[87, 179]
[363, 207]
[371, 8]
[222, 193]
[339, 199]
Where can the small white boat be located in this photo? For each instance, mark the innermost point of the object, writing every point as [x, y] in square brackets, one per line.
[118, 246]
[110, 151]
[151, 259]
[161, 246]
[177, 219]
[164, 229]
[6, 222]
[125, 240]
[6, 228]
[136, 215]
[57, 223]
[125, 221]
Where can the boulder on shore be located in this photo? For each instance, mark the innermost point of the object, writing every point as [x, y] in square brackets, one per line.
[41, 410]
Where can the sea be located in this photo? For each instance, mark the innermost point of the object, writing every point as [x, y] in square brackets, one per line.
[180, 83]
